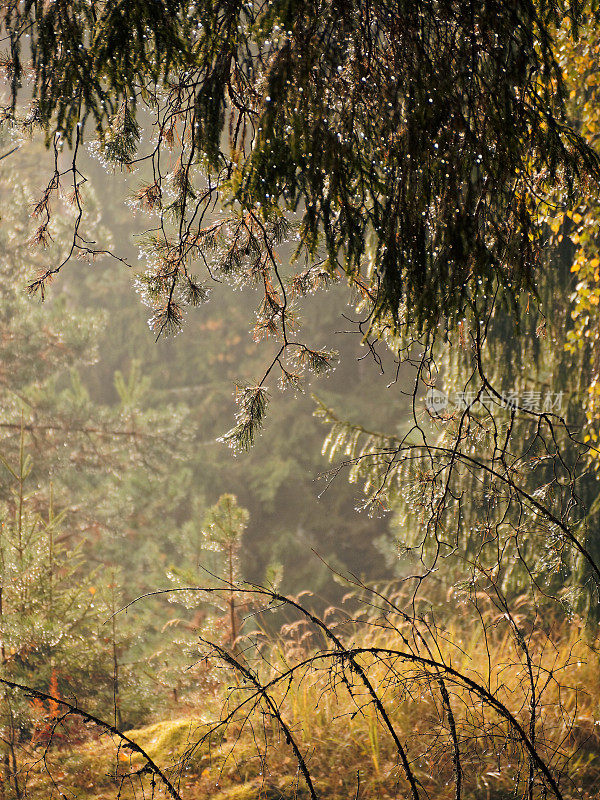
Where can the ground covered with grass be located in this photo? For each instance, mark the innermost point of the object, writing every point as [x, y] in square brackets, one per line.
[227, 740]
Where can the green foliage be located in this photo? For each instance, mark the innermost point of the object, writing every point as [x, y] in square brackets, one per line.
[225, 524]
[119, 143]
[50, 613]
[252, 403]
[216, 565]
[414, 150]
[499, 479]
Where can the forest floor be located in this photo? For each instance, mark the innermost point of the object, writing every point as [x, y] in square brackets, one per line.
[345, 746]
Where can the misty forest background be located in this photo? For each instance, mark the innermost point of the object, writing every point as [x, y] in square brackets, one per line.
[111, 461]
[122, 430]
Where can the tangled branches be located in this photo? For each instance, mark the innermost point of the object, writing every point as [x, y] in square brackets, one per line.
[411, 149]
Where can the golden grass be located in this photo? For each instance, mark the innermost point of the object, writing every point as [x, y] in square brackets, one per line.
[340, 733]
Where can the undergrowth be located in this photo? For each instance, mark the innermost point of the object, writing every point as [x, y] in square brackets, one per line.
[228, 742]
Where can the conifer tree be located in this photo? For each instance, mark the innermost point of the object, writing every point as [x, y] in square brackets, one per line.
[409, 149]
[104, 456]
[50, 622]
[518, 414]
[215, 555]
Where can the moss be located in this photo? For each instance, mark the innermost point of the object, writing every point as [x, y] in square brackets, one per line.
[247, 791]
[169, 740]
[263, 790]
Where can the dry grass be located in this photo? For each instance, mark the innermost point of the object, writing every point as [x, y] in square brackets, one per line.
[340, 734]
